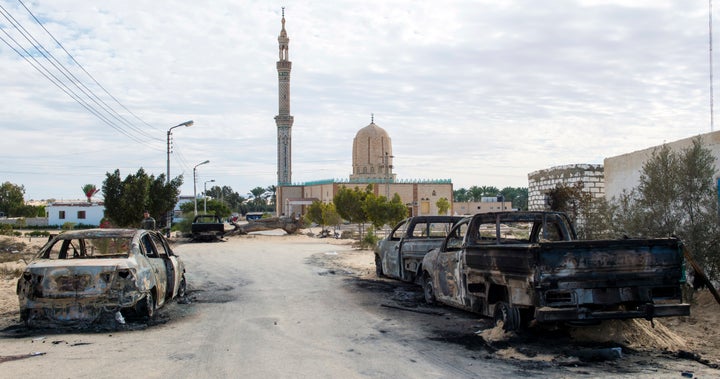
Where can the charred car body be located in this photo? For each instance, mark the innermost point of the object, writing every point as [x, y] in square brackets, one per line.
[523, 266]
[400, 254]
[79, 276]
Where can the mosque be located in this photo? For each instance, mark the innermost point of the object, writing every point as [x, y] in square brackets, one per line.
[371, 162]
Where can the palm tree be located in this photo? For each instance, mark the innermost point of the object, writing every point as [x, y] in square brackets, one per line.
[272, 190]
[90, 190]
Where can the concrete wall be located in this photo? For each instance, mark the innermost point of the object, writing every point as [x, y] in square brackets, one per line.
[541, 181]
[474, 207]
[622, 172]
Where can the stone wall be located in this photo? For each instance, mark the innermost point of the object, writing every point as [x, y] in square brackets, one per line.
[539, 182]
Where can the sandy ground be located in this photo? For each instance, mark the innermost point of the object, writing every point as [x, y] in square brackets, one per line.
[694, 337]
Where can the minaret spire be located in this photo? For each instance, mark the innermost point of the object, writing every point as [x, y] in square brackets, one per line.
[284, 120]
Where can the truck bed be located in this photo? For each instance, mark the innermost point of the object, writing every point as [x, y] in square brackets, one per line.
[598, 279]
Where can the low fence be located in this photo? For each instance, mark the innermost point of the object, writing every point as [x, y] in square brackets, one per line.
[25, 221]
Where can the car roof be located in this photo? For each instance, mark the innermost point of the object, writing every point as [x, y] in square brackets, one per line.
[98, 233]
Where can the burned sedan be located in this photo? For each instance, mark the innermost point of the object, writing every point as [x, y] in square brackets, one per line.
[79, 276]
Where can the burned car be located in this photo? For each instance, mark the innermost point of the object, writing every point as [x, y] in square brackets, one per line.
[79, 276]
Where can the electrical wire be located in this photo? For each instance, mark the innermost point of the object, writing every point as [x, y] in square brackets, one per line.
[98, 107]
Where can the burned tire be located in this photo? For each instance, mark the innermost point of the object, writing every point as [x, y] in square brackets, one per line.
[25, 317]
[378, 267]
[428, 289]
[146, 306]
[182, 288]
[507, 315]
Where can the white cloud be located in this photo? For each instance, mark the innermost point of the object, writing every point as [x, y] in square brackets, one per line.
[480, 92]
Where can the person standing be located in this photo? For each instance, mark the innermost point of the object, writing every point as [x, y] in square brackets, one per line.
[147, 222]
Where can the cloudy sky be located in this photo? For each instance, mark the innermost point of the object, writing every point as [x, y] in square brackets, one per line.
[480, 92]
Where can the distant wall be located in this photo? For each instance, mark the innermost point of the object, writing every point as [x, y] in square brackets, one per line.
[29, 221]
[622, 172]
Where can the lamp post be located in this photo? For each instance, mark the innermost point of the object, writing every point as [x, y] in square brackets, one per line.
[195, 183]
[205, 195]
[167, 179]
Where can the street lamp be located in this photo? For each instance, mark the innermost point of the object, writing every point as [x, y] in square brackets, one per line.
[195, 183]
[205, 195]
[167, 179]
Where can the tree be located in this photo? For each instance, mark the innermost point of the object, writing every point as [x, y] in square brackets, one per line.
[377, 210]
[397, 210]
[12, 199]
[214, 207]
[226, 195]
[322, 214]
[349, 205]
[331, 216]
[90, 190]
[259, 200]
[272, 194]
[126, 199]
[442, 205]
[461, 195]
[676, 196]
[569, 199]
[518, 196]
[314, 213]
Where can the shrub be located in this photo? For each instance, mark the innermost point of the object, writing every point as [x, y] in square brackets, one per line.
[369, 240]
[6, 229]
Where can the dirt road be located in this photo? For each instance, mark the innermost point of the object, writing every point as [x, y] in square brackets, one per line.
[296, 307]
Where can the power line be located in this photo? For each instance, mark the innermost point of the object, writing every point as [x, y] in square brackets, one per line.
[106, 113]
[85, 71]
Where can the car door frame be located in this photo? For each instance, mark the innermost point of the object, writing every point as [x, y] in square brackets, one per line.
[449, 265]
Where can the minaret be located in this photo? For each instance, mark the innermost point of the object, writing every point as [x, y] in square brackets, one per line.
[284, 120]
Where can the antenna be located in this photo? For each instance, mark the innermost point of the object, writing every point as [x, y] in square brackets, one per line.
[712, 115]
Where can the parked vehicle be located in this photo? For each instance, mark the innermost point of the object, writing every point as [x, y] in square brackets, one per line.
[252, 216]
[523, 266]
[207, 228]
[400, 254]
[78, 276]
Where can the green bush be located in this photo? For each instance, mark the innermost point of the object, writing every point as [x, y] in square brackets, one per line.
[68, 226]
[369, 241]
[185, 225]
[6, 230]
[38, 233]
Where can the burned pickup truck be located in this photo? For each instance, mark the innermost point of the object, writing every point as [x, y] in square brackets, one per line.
[207, 228]
[400, 254]
[524, 266]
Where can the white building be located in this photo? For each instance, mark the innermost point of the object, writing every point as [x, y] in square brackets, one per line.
[77, 212]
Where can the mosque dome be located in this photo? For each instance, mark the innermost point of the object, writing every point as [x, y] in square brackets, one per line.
[372, 154]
